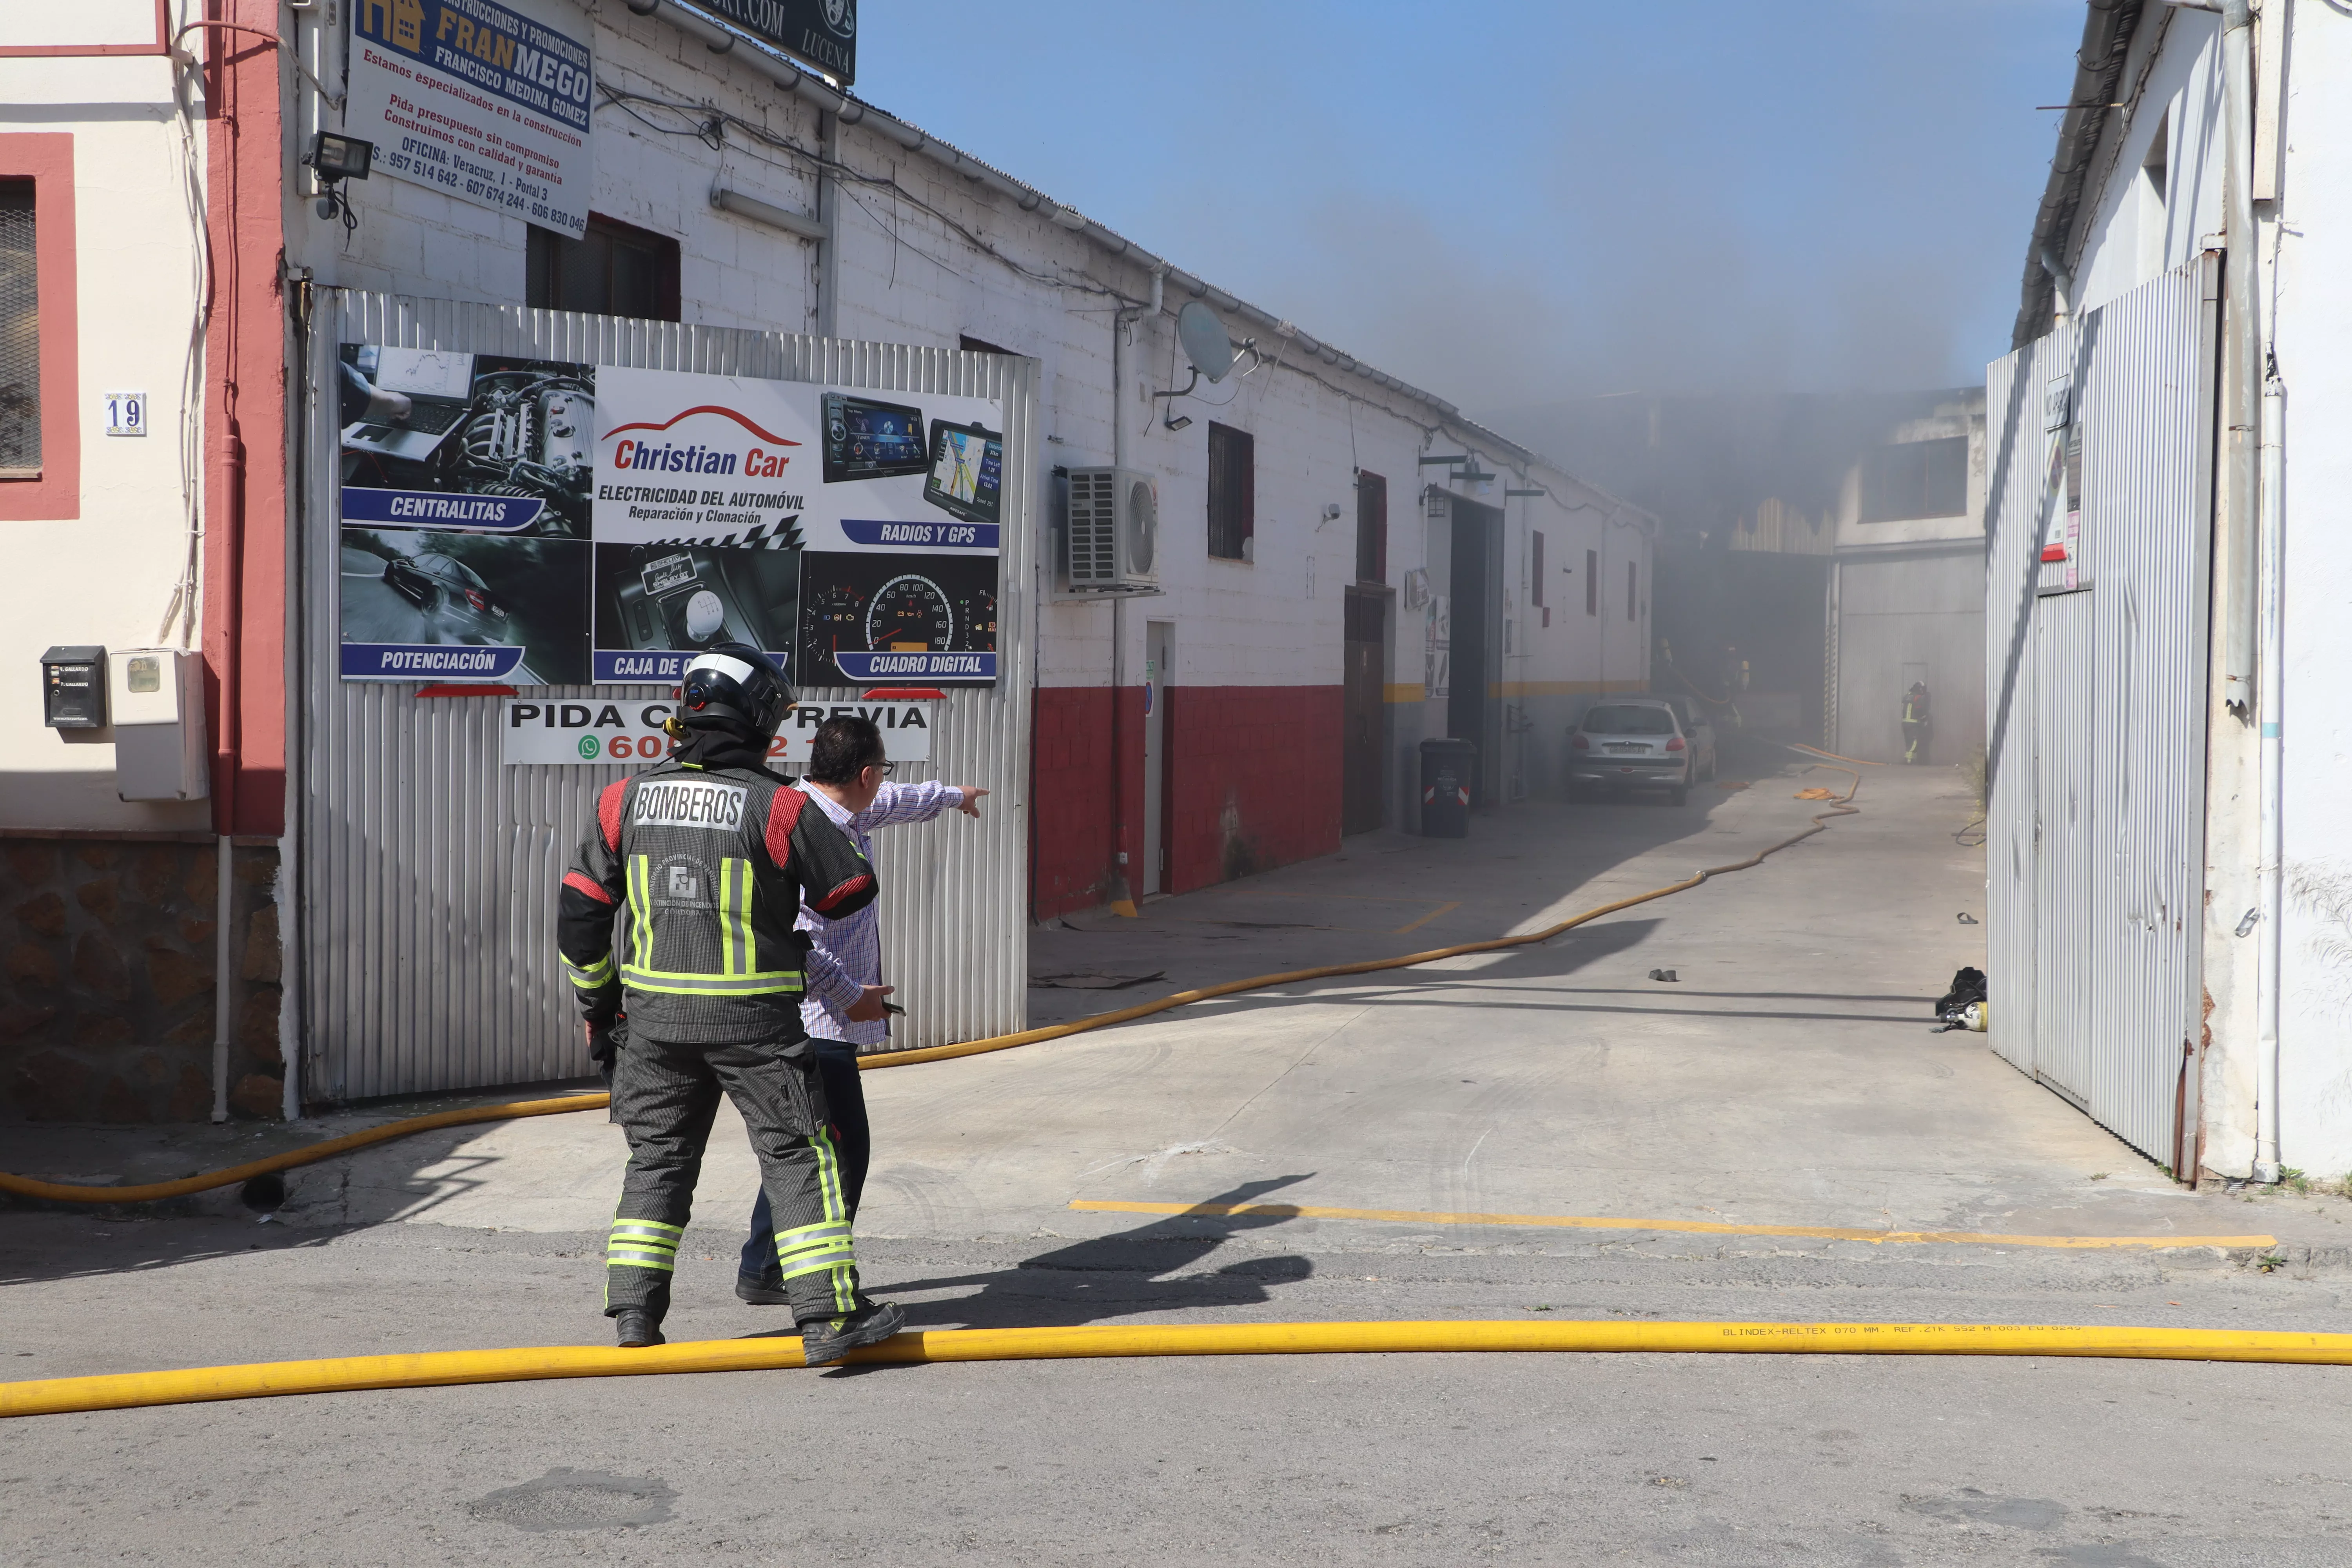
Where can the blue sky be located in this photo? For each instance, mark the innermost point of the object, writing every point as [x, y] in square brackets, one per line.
[1514, 202]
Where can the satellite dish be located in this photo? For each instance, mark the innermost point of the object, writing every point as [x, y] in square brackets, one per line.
[1206, 342]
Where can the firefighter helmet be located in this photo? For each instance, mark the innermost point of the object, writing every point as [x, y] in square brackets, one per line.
[735, 680]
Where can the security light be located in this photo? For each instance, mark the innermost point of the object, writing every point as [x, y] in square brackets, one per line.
[337, 157]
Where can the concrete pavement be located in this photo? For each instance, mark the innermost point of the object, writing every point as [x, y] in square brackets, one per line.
[1787, 1079]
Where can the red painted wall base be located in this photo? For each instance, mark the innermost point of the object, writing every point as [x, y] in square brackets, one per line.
[1253, 779]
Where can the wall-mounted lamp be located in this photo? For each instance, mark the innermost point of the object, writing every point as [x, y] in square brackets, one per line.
[335, 158]
[1175, 421]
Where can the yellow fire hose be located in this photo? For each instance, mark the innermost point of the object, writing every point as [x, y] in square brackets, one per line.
[55, 1192]
[54, 1396]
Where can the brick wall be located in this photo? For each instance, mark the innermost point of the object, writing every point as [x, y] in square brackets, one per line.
[106, 980]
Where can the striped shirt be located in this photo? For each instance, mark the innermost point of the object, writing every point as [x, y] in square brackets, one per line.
[846, 955]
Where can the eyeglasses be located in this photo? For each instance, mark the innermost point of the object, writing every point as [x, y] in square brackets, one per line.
[888, 768]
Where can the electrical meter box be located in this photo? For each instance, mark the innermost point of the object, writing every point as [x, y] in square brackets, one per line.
[73, 688]
[159, 747]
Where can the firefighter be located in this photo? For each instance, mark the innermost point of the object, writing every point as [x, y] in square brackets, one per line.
[1915, 724]
[707, 860]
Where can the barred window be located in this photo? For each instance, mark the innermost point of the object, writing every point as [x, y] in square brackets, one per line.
[1233, 493]
[20, 336]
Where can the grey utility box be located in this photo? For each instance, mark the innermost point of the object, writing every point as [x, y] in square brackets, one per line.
[160, 745]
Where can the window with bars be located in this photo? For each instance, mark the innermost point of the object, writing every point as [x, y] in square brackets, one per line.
[20, 335]
[1233, 493]
[615, 269]
[1371, 528]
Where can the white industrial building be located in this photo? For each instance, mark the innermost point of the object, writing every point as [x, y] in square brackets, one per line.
[2170, 862]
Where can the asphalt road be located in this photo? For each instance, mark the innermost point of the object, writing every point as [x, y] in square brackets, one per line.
[1787, 1080]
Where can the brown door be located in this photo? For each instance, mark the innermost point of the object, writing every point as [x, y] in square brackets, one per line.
[1359, 807]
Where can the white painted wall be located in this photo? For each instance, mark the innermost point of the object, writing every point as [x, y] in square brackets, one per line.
[107, 576]
[2305, 253]
[2314, 328]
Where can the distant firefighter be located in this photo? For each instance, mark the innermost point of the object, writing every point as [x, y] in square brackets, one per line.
[1915, 723]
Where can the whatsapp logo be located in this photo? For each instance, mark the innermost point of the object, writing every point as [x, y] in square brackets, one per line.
[589, 746]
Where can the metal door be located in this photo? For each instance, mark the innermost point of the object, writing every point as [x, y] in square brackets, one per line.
[1363, 702]
[2064, 850]
[2100, 440]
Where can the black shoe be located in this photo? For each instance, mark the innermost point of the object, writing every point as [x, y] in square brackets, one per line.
[762, 1292]
[825, 1340]
[635, 1329]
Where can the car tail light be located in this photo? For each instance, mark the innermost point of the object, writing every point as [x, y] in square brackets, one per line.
[1580, 743]
[1675, 744]
[479, 599]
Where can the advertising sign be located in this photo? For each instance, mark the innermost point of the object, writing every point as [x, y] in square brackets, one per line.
[543, 731]
[822, 32]
[481, 100]
[538, 522]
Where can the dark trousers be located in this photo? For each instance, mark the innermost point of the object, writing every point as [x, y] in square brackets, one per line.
[844, 1100]
[665, 1095]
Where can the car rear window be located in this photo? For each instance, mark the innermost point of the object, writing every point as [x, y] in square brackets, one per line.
[1629, 721]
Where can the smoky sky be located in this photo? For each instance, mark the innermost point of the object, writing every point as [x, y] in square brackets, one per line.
[1513, 203]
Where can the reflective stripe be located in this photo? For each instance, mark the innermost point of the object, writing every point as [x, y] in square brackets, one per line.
[727, 917]
[793, 1243]
[641, 939]
[838, 1259]
[643, 1243]
[594, 977]
[771, 984]
[751, 936]
[618, 1257]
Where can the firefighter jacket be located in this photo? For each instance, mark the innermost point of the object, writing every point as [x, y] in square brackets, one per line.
[704, 871]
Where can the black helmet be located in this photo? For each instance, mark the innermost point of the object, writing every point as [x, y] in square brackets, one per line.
[735, 681]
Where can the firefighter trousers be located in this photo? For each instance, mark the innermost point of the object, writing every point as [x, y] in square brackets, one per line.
[665, 1095]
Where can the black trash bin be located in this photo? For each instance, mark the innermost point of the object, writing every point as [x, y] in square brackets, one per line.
[1449, 773]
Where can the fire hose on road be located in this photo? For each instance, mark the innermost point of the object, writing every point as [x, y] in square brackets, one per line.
[55, 1396]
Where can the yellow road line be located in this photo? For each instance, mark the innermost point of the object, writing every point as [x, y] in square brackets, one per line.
[1442, 909]
[1700, 1228]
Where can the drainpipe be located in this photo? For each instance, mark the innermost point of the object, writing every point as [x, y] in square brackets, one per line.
[1122, 883]
[2242, 416]
[2062, 283]
[2273, 788]
[232, 573]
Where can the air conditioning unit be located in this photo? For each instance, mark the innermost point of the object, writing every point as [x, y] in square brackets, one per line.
[1114, 536]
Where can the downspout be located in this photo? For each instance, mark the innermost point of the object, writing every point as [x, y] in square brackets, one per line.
[1123, 885]
[2241, 592]
[2061, 284]
[2273, 783]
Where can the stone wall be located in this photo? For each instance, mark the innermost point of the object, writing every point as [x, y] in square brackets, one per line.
[106, 979]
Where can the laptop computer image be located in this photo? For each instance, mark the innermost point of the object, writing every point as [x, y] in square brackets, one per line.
[438, 386]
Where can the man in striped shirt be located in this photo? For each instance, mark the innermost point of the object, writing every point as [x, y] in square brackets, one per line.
[845, 1006]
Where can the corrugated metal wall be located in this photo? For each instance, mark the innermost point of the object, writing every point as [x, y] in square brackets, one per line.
[2096, 705]
[428, 868]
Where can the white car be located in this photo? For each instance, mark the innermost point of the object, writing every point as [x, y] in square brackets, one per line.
[1637, 742]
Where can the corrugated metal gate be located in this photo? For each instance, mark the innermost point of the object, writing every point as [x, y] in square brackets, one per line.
[428, 868]
[2095, 692]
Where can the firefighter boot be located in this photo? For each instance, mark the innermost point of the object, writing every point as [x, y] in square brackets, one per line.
[635, 1329]
[825, 1340]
